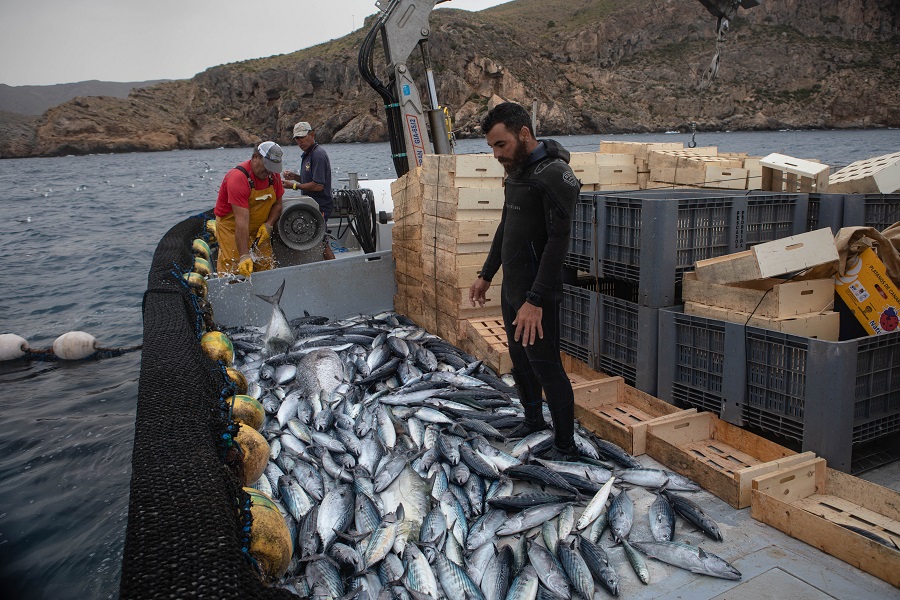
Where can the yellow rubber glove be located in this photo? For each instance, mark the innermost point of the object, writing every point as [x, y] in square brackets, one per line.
[263, 234]
[245, 265]
[211, 229]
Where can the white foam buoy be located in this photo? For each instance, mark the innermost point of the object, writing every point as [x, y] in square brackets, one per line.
[74, 345]
[12, 346]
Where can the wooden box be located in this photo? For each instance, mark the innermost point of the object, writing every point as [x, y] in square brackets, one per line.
[782, 173]
[620, 413]
[719, 456]
[811, 502]
[879, 175]
[771, 259]
[763, 297]
[821, 326]
[487, 338]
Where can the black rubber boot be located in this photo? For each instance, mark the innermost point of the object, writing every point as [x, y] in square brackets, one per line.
[530, 395]
[561, 454]
[525, 428]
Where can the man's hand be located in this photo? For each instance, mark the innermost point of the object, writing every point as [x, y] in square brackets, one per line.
[263, 234]
[528, 324]
[245, 265]
[477, 291]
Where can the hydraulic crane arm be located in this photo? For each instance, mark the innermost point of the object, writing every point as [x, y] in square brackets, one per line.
[403, 26]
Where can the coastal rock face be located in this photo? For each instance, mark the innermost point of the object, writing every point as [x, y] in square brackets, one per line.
[595, 67]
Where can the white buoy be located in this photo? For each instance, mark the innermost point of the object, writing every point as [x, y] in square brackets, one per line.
[12, 346]
[74, 345]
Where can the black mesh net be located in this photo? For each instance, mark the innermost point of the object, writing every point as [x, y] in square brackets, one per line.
[184, 533]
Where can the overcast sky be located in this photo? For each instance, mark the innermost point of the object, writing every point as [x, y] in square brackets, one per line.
[63, 41]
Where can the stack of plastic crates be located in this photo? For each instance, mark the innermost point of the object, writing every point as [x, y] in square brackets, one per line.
[649, 239]
[828, 396]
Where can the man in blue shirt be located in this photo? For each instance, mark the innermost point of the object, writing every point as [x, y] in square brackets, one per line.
[314, 178]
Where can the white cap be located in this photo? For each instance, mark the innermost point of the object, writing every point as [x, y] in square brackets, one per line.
[301, 129]
[271, 155]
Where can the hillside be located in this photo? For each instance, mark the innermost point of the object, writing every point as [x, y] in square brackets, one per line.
[35, 99]
[598, 66]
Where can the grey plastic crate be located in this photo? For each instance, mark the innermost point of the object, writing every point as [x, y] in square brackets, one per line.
[829, 396]
[825, 210]
[871, 210]
[610, 332]
[652, 237]
[583, 239]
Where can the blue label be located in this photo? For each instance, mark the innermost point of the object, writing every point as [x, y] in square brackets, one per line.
[406, 90]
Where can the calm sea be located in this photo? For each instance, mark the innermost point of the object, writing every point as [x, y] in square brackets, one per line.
[78, 235]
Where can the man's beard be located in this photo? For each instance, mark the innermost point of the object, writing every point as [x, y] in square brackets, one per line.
[519, 159]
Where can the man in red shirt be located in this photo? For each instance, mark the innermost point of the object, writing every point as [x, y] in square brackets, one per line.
[249, 203]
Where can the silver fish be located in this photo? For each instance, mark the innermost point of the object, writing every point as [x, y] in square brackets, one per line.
[621, 516]
[525, 585]
[335, 513]
[637, 563]
[574, 566]
[279, 337]
[657, 478]
[319, 371]
[549, 571]
[530, 517]
[692, 558]
[662, 519]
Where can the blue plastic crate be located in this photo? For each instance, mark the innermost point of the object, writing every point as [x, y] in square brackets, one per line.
[829, 396]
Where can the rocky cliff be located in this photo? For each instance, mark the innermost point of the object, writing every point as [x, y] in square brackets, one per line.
[596, 66]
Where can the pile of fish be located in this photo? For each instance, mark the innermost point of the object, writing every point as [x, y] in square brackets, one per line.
[389, 463]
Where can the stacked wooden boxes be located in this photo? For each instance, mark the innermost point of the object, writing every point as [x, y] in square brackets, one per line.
[604, 171]
[406, 244]
[456, 205]
[640, 153]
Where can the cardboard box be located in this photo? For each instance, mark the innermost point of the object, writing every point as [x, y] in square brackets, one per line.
[870, 294]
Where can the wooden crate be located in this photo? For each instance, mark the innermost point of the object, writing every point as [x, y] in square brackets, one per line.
[771, 259]
[488, 341]
[640, 150]
[821, 326]
[620, 413]
[782, 173]
[809, 501]
[879, 175]
[719, 456]
[763, 297]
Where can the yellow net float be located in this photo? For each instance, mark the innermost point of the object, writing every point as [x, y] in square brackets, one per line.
[201, 248]
[218, 347]
[247, 410]
[270, 539]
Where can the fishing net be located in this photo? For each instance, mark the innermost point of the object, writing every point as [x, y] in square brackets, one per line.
[185, 534]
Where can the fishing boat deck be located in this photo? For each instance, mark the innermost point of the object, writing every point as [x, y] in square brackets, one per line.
[773, 564]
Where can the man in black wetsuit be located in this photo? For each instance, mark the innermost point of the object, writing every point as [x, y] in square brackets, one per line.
[531, 243]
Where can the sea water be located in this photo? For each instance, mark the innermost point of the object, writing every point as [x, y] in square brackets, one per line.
[77, 236]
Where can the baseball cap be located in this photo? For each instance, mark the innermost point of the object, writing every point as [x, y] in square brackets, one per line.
[301, 129]
[271, 155]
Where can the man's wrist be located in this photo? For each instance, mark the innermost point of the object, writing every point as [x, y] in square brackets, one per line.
[533, 298]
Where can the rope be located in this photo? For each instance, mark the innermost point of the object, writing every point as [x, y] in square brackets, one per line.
[709, 75]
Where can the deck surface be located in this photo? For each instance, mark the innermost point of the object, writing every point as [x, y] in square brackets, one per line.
[773, 564]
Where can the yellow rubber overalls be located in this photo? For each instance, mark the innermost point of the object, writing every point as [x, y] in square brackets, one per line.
[260, 205]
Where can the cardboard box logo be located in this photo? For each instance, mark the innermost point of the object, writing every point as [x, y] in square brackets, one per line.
[868, 292]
